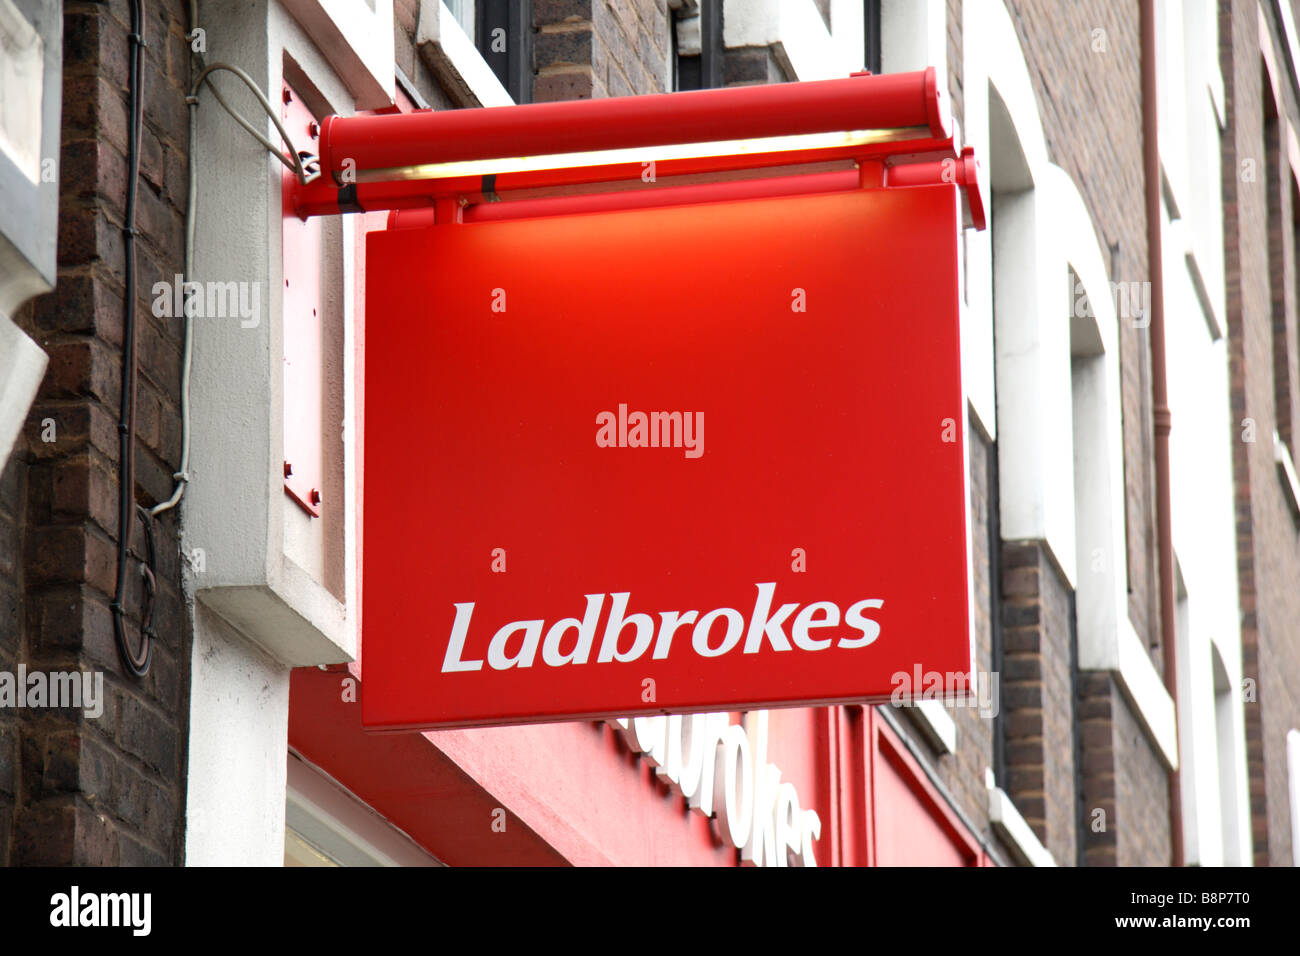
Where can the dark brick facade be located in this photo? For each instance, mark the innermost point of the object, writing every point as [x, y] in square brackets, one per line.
[596, 48]
[1037, 694]
[13, 489]
[1125, 793]
[1268, 534]
[77, 789]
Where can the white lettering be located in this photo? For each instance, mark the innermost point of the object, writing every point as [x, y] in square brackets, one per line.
[497, 657]
[684, 430]
[570, 640]
[452, 660]
[700, 636]
[131, 910]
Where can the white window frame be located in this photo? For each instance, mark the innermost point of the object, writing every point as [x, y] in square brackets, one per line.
[452, 55]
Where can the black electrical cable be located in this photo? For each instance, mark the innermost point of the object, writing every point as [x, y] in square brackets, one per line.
[137, 662]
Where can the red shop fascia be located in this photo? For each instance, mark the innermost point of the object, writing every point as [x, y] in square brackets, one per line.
[561, 661]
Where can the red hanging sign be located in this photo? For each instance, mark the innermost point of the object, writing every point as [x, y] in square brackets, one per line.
[690, 458]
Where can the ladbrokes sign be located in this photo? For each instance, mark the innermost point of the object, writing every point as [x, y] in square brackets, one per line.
[693, 458]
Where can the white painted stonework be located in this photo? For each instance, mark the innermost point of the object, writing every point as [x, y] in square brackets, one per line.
[1041, 225]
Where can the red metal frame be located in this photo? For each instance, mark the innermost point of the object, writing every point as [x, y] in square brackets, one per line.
[841, 181]
[373, 162]
[304, 466]
[896, 101]
[438, 788]
[885, 745]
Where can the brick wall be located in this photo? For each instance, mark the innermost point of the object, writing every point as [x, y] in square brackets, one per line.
[962, 772]
[1268, 539]
[595, 48]
[1037, 694]
[1100, 802]
[76, 789]
[12, 493]
[1125, 793]
[745, 66]
[1141, 790]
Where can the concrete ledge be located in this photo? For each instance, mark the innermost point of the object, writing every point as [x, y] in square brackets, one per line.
[452, 57]
[360, 52]
[264, 616]
[1285, 471]
[1145, 690]
[1015, 832]
[935, 724]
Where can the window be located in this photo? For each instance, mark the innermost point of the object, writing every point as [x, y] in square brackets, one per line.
[697, 44]
[463, 11]
[871, 35]
[503, 33]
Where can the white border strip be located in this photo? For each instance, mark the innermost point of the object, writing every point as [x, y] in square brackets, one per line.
[1289, 32]
[342, 827]
[934, 722]
[1286, 471]
[439, 34]
[1015, 832]
[1293, 766]
[1152, 704]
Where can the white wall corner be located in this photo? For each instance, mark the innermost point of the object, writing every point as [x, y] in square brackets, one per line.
[914, 35]
[357, 40]
[1018, 836]
[1036, 474]
[977, 309]
[1032, 386]
[235, 509]
[798, 36]
[810, 49]
[451, 56]
[22, 366]
[239, 720]
[751, 23]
